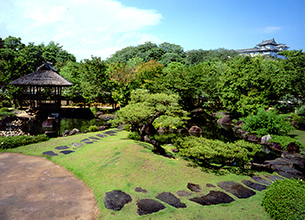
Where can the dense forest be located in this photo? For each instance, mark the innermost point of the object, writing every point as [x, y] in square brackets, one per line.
[212, 79]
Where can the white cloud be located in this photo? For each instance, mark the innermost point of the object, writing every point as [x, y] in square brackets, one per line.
[85, 28]
[269, 29]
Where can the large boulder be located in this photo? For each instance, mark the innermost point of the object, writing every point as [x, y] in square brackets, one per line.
[236, 189]
[170, 199]
[293, 148]
[73, 131]
[116, 200]
[195, 130]
[264, 140]
[194, 187]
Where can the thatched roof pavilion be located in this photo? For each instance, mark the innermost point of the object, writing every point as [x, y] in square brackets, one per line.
[45, 80]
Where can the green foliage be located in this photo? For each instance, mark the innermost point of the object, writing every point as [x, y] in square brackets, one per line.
[93, 128]
[285, 199]
[5, 101]
[4, 111]
[144, 108]
[250, 83]
[267, 122]
[127, 127]
[285, 140]
[301, 110]
[133, 135]
[16, 141]
[166, 138]
[214, 151]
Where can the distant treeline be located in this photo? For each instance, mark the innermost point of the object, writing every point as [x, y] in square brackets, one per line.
[213, 79]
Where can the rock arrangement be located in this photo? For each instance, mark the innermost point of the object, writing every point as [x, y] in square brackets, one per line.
[116, 199]
[11, 127]
[74, 146]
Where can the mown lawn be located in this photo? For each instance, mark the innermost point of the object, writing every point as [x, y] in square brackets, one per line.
[117, 163]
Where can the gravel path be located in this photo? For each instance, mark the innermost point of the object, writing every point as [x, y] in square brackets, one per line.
[35, 188]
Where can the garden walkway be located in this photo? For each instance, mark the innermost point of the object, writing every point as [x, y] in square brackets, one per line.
[35, 188]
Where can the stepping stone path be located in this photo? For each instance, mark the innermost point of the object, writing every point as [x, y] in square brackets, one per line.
[66, 152]
[62, 148]
[183, 193]
[77, 144]
[148, 206]
[50, 153]
[213, 198]
[170, 199]
[261, 180]
[116, 200]
[194, 187]
[253, 185]
[236, 189]
[139, 189]
[90, 140]
[273, 178]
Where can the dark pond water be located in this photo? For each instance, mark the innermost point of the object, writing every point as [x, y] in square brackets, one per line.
[67, 119]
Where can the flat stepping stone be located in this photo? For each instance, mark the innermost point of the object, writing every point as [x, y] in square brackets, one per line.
[67, 151]
[194, 187]
[273, 178]
[116, 200]
[261, 180]
[139, 189]
[77, 144]
[213, 198]
[61, 147]
[254, 185]
[88, 142]
[50, 153]
[183, 193]
[170, 199]
[236, 189]
[209, 185]
[94, 138]
[148, 206]
[86, 139]
[101, 135]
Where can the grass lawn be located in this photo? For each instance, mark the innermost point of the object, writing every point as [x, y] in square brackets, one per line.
[117, 163]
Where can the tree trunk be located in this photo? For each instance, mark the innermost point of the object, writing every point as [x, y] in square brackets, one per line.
[156, 144]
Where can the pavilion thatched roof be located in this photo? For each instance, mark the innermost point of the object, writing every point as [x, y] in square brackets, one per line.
[45, 75]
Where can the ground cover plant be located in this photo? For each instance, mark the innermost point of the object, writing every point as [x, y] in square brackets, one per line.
[118, 163]
[285, 199]
[267, 122]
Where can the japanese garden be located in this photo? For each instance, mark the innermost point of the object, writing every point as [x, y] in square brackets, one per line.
[199, 134]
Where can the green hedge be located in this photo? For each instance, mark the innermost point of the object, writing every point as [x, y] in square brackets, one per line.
[16, 141]
[285, 199]
[214, 151]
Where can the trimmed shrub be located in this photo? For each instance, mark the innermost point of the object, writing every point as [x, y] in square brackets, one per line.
[267, 122]
[133, 135]
[285, 199]
[93, 128]
[214, 151]
[285, 140]
[16, 141]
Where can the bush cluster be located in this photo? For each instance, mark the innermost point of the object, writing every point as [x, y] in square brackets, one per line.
[214, 151]
[4, 111]
[267, 122]
[93, 128]
[285, 199]
[285, 140]
[301, 110]
[16, 141]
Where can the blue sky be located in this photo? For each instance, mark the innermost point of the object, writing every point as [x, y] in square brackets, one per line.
[100, 27]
